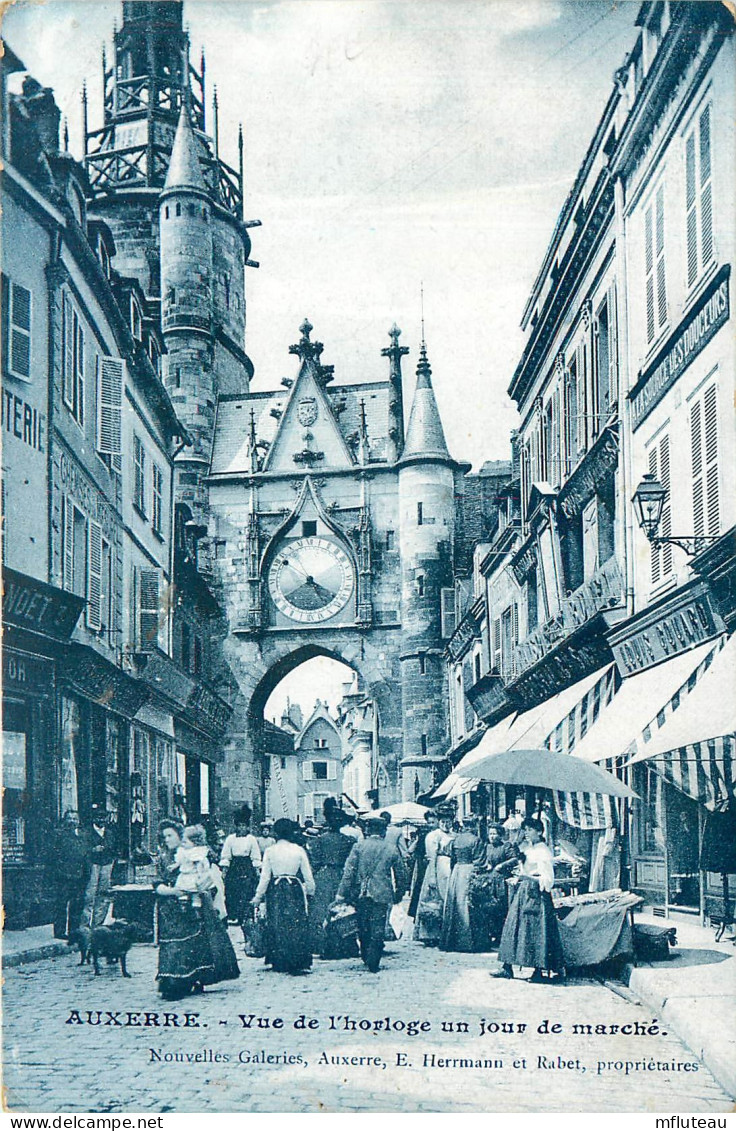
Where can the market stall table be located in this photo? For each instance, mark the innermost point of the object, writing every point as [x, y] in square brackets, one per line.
[596, 927]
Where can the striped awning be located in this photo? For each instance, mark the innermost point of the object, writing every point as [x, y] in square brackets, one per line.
[693, 747]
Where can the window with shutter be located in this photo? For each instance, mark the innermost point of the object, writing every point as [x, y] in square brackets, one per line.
[496, 645]
[149, 614]
[19, 328]
[514, 636]
[581, 408]
[699, 197]
[110, 375]
[654, 265]
[157, 516]
[72, 354]
[659, 466]
[704, 463]
[139, 475]
[94, 575]
[571, 409]
[67, 350]
[447, 612]
[67, 544]
[79, 373]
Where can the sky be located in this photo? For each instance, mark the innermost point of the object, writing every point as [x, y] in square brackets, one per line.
[391, 145]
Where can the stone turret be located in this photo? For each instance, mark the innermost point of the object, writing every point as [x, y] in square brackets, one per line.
[185, 218]
[427, 517]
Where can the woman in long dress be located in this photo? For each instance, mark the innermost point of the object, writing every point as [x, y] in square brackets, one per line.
[240, 864]
[530, 936]
[488, 895]
[285, 884]
[194, 949]
[466, 851]
[428, 922]
[327, 854]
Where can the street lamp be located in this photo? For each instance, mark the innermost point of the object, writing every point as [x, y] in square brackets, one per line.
[649, 499]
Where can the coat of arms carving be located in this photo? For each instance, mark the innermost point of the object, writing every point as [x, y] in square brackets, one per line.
[307, 411]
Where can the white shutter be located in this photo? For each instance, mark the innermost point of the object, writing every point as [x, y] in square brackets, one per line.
[331, 770]
[649, 271]
[94, 575]
[612, 350]
[496, 645]
[710, 429]
[307, 772]
[148, 607]
[581, 407]
[691, 207]
[447, 612]
[67, 350]
[659, 255]
[110, 376]
[696, 457]
[80, 373]
[666, 523]
[706, 191]
[67, 544]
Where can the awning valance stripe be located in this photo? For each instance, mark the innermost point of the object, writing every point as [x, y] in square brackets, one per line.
[704, 771]
[585, 810]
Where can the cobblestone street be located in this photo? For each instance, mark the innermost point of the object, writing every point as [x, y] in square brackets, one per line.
[51, 1065]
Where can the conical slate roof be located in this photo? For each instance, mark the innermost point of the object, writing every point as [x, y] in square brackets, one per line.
[425, 436]
[185, 170]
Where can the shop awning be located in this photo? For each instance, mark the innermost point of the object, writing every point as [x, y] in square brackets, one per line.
[643, 701]
[695, 747]
[556, 722]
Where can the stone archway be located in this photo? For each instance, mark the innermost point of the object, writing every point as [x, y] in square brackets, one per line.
[259, 665]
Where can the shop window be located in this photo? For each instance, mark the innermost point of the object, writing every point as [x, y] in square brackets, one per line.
[68, 797]
[113, 762]
[204, 789]
[699, 197]
[15, 780]
[647, 809]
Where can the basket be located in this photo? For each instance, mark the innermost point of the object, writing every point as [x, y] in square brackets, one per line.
[342, 921]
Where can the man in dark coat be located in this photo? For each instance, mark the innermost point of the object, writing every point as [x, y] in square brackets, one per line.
[70, 867]
[374, 877]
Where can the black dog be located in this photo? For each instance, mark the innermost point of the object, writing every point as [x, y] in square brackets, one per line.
[112, 942]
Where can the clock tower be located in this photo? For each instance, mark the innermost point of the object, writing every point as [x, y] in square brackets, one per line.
[333, 533]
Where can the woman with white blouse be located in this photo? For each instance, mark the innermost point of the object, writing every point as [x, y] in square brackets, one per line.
[286, 883]
[530, 936]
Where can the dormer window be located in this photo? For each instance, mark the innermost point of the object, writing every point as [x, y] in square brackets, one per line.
[136, 320]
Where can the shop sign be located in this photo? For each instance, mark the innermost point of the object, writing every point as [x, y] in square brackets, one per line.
[673, 632]
[74, 482]
[34, 605]
[23, 672]
[690, 338]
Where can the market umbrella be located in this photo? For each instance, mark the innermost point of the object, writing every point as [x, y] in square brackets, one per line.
[404, 811]
[546, 769]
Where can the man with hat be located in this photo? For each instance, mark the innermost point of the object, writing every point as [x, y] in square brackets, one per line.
[99, 842]
[374, 877]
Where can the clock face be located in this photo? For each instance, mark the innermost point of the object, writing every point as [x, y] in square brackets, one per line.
[310, 580]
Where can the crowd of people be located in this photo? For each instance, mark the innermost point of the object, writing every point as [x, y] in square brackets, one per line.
[299, 891]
